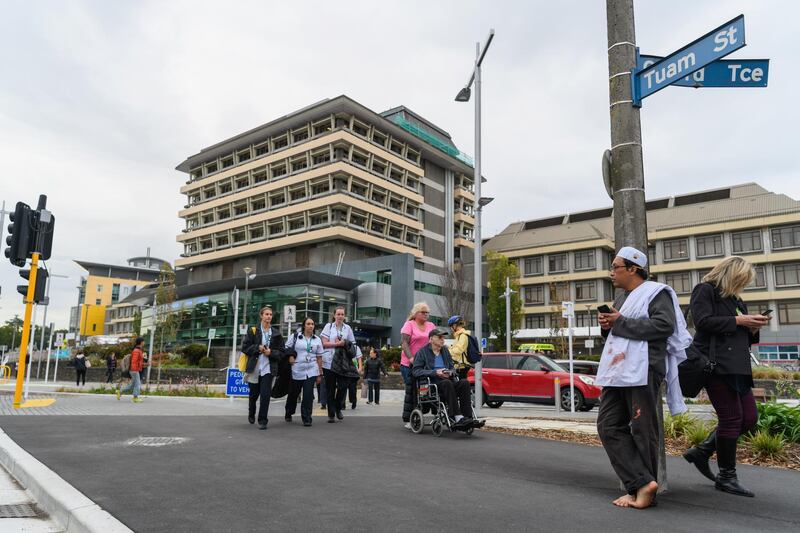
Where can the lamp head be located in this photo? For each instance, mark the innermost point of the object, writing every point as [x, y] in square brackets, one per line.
[464, 94]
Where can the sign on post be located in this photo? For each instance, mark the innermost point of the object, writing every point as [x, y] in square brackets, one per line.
[289, 312]
[59, 339]
[712, 46]
[568, 309]
[721, 73]
[589, 343]
[212, 333]
[235, 385]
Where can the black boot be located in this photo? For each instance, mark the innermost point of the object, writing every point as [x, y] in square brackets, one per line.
[726, 459]
[700, 454]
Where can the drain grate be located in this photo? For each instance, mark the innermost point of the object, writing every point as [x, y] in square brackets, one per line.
[156, 441]
[22, 510]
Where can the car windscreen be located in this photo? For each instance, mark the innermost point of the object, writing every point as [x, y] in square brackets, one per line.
[549, 363]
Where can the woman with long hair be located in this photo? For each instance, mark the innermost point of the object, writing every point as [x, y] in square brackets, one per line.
[306, 370]
[335, 335]
[724, 331]
[413, 337]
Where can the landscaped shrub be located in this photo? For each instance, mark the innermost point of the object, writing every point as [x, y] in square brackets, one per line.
[193, 353]
[779, 419]
[206, 362]
[391, 358]
[766, 445]
[770, 372]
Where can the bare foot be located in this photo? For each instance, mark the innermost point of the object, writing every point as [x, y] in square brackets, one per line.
[625, 501]
[645, 495]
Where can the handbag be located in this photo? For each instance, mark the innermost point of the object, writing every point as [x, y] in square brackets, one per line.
[364, 389]
[694, 371]
[242, 364]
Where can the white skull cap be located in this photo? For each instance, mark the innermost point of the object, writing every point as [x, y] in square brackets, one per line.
[633, 255]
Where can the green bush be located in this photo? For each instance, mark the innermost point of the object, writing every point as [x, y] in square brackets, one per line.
[766, 445]
[193, 353]
[677, 426]
[391, 357]
[770, 372]
[206, 362]
[779, 419]
[696, 434]
[96, 361]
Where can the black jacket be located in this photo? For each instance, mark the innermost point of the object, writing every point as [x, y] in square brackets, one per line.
[424, 361]
[251, 342]
[715, 317]
[111, 362]
[373, 368]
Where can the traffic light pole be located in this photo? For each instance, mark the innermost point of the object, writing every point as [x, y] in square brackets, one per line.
[23, 347]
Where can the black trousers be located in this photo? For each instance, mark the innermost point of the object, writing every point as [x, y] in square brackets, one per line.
[331, 381]
[455, 395]
[80, 375]
[260, 392]
[306, 386]
[627, 424]
[110, 375]
[350, 386]
[374, 387]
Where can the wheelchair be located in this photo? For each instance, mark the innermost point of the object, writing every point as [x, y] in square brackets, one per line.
[429, 403]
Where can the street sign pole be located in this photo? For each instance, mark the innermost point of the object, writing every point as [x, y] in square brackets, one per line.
[49, 349]
[569, 313]
[23, 348]
[232, 359]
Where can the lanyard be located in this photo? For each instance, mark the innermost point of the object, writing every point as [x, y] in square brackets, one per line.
[339, 332]
[266, 336]
[308, 347]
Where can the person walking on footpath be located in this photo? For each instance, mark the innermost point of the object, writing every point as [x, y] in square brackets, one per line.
[646, 339]
[263, 346]
[306, 371]
[80, 369]
[111, 366]
[724, 332]
[413, 337]
[135, 384]
[458, 351]
[352, 380]
[334, 335]
[373, 368]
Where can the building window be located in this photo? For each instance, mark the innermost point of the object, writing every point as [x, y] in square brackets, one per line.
[746, 242]
[115, 293]
[786, 237]
[789, 312]
[533, 266]
[557, 263]
[676, 250]
[559, 292]
[429, 288]
[533, 294]
[99, 288]
[681, 282]
[760, 280]
[584, 320]
[585, 291]
[584, 260]
[787, 275]
[709, 246]
[534, 322]
[97, 301]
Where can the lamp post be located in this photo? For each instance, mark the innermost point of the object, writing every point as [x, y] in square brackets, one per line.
[507, 295]
[247, 277]
[44, 323]
[463, 96]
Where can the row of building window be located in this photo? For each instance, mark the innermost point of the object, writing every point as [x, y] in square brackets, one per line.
[786, 275]
[557, 292]
[742, 242]
[302, 134]
[302, 192]
[324, 155]
[559, 262]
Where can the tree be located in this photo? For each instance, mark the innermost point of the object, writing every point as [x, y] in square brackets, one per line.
[500, 268]
[454, 290]
[10, 332]
[137, 322]
[166, 319]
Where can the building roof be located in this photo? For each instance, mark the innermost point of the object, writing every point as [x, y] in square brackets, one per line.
[340, 103]
[106, 269]
[737, 202]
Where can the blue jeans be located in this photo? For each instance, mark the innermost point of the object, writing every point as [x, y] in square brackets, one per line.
[134, 385]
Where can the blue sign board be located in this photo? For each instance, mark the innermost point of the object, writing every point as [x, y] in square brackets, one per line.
[484, 344]
[62, 354]
[720, 73]
[235, 385]
[712, 46]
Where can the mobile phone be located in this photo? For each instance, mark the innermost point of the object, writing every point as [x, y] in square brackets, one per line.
[604, 309]
[767, 312]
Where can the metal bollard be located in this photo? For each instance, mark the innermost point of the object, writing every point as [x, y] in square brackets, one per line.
[557, 394]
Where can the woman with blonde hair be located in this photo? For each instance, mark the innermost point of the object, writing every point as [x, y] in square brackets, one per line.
[724, 332]
[413, 337]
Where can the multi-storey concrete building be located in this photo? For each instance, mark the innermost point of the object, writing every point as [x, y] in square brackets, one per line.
[567, 257]
[383, 201]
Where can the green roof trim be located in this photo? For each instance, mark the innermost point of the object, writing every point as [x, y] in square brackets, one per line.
[416, 131]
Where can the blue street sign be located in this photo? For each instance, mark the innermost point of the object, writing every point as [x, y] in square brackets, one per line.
[235, 384]
[712, 46]
[720, 73]
[484, 344]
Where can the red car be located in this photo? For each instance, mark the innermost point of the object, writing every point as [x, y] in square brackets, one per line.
[527, 377]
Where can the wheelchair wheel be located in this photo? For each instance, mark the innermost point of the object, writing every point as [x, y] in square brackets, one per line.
[416, 421]
[469, 430]
[437, 427]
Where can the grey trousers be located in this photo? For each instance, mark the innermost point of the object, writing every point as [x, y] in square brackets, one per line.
[627, 424]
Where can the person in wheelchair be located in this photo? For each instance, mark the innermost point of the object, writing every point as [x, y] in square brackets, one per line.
[433, 361]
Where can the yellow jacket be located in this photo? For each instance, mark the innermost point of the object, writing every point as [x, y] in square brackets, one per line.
[458, 351]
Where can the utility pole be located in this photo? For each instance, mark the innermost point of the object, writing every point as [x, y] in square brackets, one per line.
[627, 166]
[507, 295]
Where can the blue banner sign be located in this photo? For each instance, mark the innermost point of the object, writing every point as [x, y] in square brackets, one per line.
[712, 46]
[720, 73]
[235, 385]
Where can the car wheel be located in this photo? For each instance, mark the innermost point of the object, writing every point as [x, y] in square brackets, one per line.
[579, 401]
[416, 421]
[493, 404]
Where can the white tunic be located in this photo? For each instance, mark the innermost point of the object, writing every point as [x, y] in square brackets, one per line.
[307, 350]
[331, 333]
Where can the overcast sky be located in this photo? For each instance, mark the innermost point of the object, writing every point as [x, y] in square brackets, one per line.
[99, 101]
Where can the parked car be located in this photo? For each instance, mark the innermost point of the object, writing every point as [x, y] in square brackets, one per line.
[529, 378]
[580, 366]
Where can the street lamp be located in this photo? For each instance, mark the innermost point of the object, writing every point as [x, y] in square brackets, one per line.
[247, 277]
[507, 295]
[464, 96]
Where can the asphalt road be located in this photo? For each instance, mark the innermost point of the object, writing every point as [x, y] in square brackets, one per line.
[369, 474]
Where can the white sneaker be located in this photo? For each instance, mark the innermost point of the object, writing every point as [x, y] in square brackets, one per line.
[407, 426]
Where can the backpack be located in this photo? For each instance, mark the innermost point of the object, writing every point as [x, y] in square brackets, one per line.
[473, 352]
[126, 363]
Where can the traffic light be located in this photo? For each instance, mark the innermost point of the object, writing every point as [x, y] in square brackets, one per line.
[20, 235]
[41, 283]
[44, 224]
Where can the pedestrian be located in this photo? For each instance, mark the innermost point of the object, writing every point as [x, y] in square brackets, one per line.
[373, 368]
[724, 332]
[263, 345]
[80, 369]
[646, 339]
[458, 350]
[352, 381]
[334, 335]
[306, 370]
[111, 366]
[413, 336]
[135, 384]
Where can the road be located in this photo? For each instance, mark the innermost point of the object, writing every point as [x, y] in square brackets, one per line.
[214, 472]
